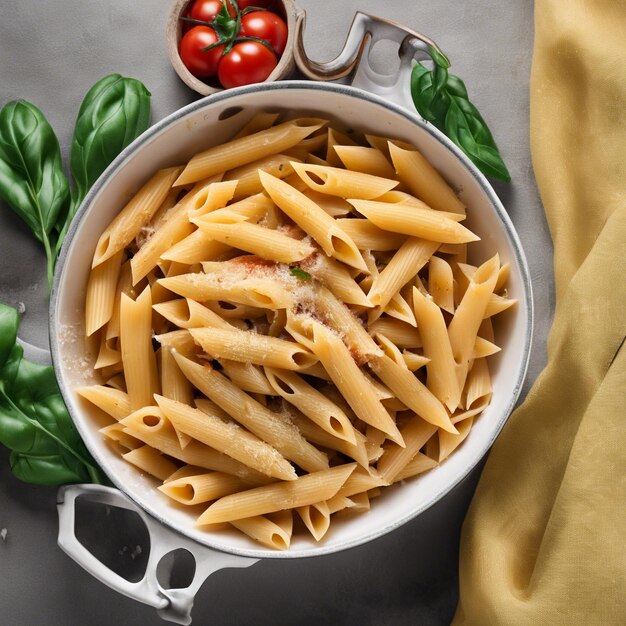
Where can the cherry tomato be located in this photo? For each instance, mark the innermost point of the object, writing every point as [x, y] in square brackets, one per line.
[200, 64]
[261, 4]
[248, 62]
[268, 26]
[206, 10]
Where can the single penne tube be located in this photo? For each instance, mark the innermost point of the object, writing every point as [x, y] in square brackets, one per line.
[247, 176]
[463, 329]
[441, 368]
[195, 248]
[265, 424]
[400, 333]
[367, 160]
[339, 503]
[115, 432]
[258, 292]
[306, 490]
[173, 384]
[100, 297]
[316, 518]
[335, 181]
[348, 378]
[312, 432]
[315, 405]
[208, 198]
[477, 409]
[478, 385]
[112, 401]
[136, 214]
[230, 439]
[259, 121]
[187, 313]
[238, 152]
[414, 361]
[441, 283]
[424, 180]
[410, 258]
[151, 426]
[199, 488]
[496, 304]
[448, 442]
[333, 205]
[124, 285]
[179, 340]
[362, 479]
[247, 376]
[503, 277]
[401, 197]
[184, 472]
[398, 308]
[336, 138]
[314, 221]
[234, 312]
[264, 242]
[248, 347]
[151, 461]
[416, 433]
[342, 320]
[409, 390]
[264, 530]
[368, 236]
[337, 278]
[418, 221]
[108, 354]
[484, 348]
[419, 464]
[140, 370]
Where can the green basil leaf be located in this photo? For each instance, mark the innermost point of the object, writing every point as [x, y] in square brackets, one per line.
[32, 181]
[446, 104]
[462, 129]
[299, 273]
[9, 322]
[35, 425]
[115, 111]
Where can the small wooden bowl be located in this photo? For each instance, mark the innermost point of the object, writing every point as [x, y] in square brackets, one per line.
[173, 34]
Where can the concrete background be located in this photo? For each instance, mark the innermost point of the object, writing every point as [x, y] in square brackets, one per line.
[51, 53]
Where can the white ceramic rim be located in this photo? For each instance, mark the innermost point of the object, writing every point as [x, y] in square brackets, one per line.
[224, 96]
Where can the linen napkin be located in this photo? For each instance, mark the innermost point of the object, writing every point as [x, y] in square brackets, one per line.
[544, 540]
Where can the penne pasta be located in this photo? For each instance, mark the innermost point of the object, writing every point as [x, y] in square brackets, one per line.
[100, 297]
[151, 461]
[243, 150]
[200, 488]
[306, 490]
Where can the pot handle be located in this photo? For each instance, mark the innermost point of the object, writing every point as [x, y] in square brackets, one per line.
[173, 605]
[353, 61]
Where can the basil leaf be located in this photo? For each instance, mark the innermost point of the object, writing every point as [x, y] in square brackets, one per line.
[9, 322]
[442, 99]
[115, 111]
[32, 181]
[299, 273]
[34, 423]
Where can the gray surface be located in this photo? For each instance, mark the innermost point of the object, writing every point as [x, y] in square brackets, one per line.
[50, 53]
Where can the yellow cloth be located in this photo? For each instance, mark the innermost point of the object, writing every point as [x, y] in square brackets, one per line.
[544, 540]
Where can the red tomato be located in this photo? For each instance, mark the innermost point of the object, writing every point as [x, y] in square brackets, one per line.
[268, 26]
[262, 4]
[248, 62]
[206, 10]
[200, 64]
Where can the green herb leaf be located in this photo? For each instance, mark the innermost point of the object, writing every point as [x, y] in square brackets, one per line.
[115, 111]
[34, 423]
[300, 273]
[442, 99]
[32, 181]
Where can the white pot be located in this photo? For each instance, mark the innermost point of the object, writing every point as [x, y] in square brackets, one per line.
[176, 139]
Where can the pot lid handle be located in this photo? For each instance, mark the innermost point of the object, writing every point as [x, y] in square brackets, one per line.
[352, 64]
[172, 605]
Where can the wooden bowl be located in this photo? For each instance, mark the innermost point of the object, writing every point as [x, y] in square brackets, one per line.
[173, 34]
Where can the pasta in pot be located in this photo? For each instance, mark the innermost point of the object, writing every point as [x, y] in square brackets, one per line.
[286, 335]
